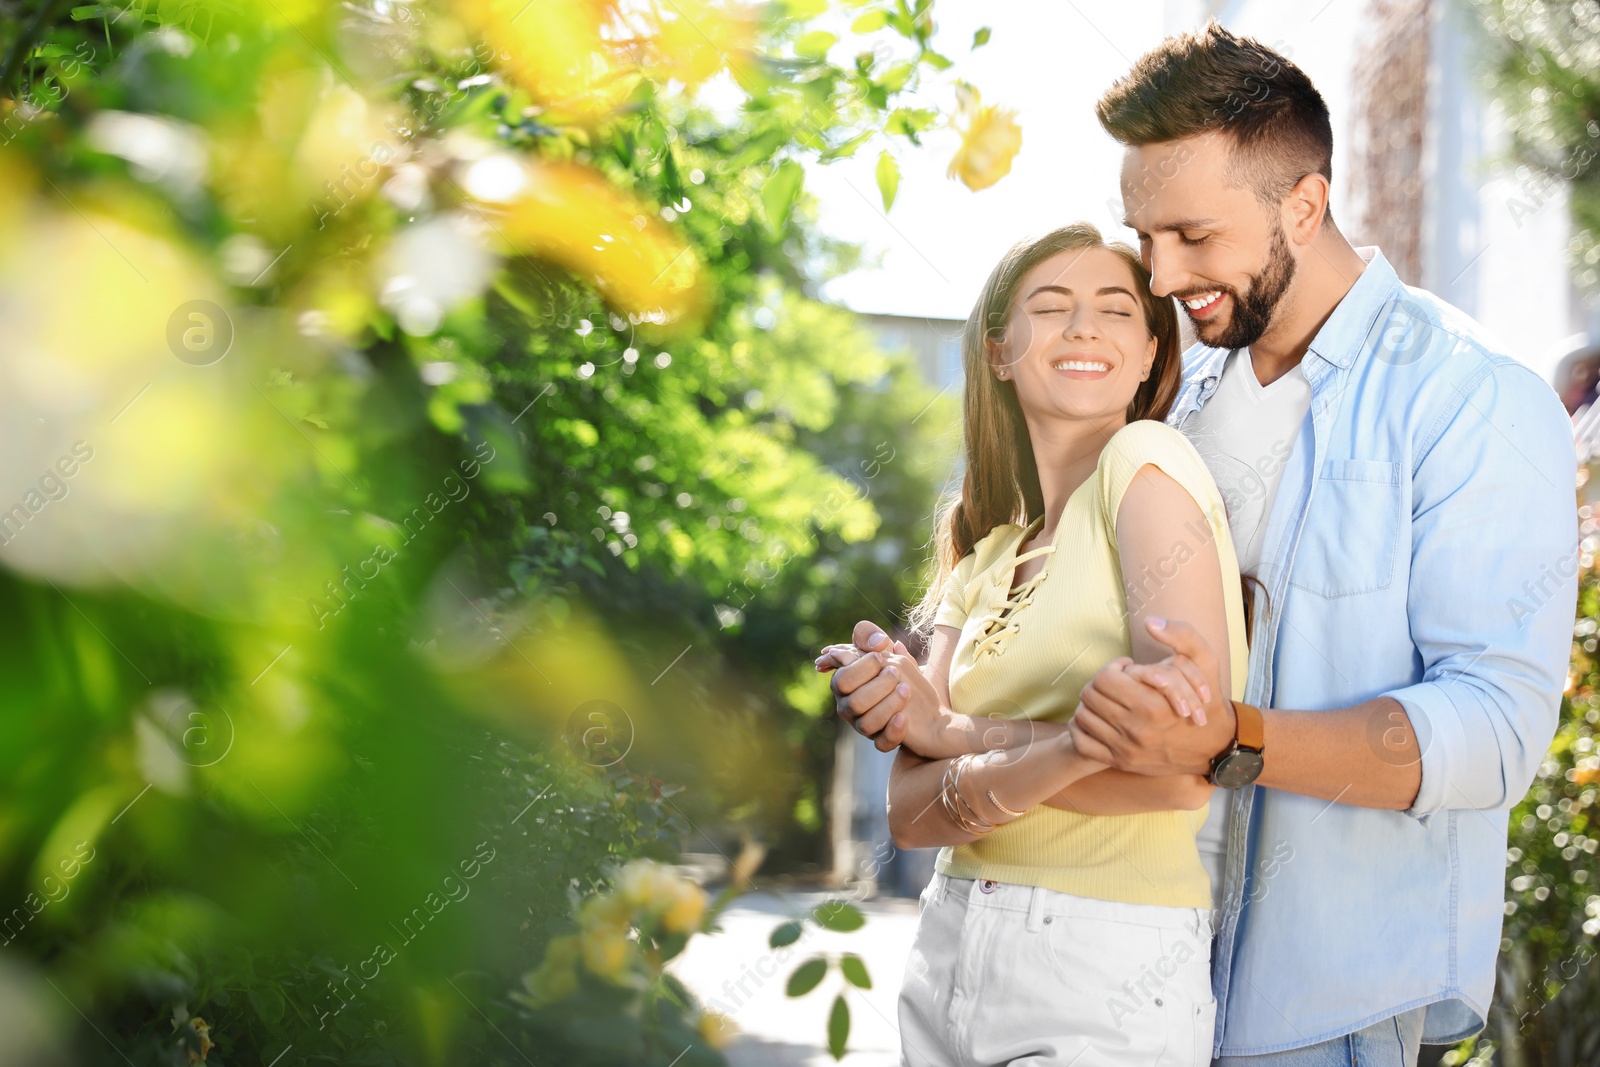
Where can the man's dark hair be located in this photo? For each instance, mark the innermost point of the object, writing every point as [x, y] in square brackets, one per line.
[1211, 79]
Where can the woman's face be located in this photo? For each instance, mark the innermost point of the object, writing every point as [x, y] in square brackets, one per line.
[1076, 344]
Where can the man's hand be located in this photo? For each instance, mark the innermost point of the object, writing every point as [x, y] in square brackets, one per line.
[882, 694]
[1161, 718]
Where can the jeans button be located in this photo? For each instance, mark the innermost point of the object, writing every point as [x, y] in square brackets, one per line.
[987, 886]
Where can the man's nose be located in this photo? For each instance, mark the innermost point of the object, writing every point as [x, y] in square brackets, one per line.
[1166, 277]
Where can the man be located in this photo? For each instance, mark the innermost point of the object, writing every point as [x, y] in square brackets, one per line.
[1404, 495]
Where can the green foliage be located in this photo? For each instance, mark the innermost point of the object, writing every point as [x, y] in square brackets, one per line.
[1541, 60]
[376, 641]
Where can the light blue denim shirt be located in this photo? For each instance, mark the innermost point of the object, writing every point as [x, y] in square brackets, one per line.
[1423, 543]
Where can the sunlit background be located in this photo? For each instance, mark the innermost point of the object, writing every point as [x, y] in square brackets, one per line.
[438, 436]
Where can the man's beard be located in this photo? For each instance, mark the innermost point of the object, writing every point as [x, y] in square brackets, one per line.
[1252, 311]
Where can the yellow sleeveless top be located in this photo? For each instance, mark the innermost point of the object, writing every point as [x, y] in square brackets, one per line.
[1028, 653]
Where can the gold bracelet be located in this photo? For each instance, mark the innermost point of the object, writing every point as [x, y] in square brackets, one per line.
[953, 800]
[996, 802]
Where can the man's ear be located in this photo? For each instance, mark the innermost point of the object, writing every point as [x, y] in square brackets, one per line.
[1306, 208]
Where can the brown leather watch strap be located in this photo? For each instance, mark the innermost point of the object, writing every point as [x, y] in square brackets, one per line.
[1249, 731]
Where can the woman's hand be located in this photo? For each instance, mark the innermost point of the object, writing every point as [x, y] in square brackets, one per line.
[880, 690]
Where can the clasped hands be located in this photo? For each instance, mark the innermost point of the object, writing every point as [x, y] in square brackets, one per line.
[1167, 717]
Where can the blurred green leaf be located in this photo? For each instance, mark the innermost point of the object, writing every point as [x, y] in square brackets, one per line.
[806, 976]
[781, 191]
[855, 971]
[888, 175]
[786, 934]
[838, 1027]
[838, 915]
[875, 19]
[815, 45]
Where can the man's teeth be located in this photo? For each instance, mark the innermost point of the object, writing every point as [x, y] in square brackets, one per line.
[1079, 364]
[1201, 301]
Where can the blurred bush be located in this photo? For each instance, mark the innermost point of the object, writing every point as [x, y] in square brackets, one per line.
[421, 446]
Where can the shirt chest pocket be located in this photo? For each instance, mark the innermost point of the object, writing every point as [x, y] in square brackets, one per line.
[1351, 531]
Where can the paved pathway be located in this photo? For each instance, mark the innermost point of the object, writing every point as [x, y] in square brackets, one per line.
[735, 972]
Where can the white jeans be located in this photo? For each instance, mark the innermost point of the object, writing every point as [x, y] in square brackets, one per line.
[1019, 975]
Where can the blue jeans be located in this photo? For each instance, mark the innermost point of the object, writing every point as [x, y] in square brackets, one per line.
[1393, 1042]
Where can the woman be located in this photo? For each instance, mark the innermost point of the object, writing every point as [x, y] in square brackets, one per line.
[1069, 918]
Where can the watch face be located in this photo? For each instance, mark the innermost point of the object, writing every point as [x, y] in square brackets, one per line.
[1238, 768]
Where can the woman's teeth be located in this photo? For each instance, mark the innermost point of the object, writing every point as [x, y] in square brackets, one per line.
[1079, 364]
[1203, 301]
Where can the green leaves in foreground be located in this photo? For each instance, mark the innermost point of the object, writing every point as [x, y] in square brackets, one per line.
[807, 976]
[838, 916]
[838, 1027]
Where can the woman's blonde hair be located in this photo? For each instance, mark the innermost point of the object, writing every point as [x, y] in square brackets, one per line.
[1001, 483]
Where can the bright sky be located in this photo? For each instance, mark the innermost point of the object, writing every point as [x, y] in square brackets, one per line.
[1050, 63]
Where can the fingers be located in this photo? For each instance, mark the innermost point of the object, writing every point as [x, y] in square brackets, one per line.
[849, 678]
[863, 703]
[835, 656]
[877, 718]
[1197, 680]
[1117, 695]
[869, 636]
[893, 735]
[1184, 639]
[1173, 684]
[1082, 729]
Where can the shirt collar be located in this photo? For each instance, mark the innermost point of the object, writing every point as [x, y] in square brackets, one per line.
[1342, 335]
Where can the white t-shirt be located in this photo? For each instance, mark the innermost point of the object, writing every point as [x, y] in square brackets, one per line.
[1245, 433]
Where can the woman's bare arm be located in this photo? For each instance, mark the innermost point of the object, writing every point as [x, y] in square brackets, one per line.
[1170, 569]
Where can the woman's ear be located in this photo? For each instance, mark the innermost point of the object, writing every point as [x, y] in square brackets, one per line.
[1149, 359]
[996, 350]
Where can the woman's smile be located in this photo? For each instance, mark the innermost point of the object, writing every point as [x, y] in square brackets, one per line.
[1077, 367]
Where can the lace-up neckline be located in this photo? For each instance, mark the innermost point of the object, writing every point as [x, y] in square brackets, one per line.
[999, 622]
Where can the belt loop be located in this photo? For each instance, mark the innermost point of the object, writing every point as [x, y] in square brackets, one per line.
[1036, 909]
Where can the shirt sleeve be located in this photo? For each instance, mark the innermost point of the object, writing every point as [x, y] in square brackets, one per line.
[953, 608]
[1494, 565]
[1139, 443]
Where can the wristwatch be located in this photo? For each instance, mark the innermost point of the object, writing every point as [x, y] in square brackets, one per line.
[1240, 763]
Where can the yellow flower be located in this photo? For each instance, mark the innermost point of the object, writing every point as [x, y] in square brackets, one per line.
[557, 977]
[990, 139]
[696, 39]
[606, 909]
[716, 1029]
[574, 217]
[687, 910]
[560, 51]
[606, 950]
[646, 885]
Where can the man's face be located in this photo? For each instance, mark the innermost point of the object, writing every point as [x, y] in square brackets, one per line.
[1205, 240]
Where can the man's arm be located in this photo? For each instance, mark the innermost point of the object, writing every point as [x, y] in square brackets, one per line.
[1492, 594]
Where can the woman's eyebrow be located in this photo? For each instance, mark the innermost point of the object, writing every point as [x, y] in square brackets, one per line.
[1108, 290]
